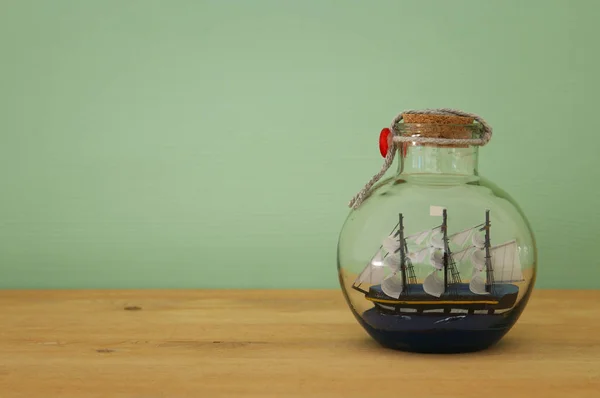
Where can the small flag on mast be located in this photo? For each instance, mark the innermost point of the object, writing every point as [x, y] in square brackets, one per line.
[436, 211]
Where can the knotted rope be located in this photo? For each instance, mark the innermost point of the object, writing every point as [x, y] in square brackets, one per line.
[397, 139]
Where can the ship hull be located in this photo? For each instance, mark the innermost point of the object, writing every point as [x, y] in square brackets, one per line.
[458, 300]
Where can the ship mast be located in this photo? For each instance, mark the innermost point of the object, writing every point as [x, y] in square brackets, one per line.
[402, 252]
[445, 231]
[449, 264]
[488, 258]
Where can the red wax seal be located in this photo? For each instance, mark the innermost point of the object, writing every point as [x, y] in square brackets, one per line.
[384, 141]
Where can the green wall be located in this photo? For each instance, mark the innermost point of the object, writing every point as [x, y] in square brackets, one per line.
[216, 143]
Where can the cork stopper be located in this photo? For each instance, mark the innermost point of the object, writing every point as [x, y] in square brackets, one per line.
[439, 126]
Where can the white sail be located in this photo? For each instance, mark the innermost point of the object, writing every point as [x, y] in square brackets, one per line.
[377, 259]
[460, 238]
[392, 261]
[433, 285]
[418, 256]
[374, 272]
[478, 259]
[437, 239]
[419, 237]
[437, 259]
[505, 265]
[461, 255]
[391, 244]
[478, 240]
[392, 285]
[372, 275]
[477, 284]
[506, 262]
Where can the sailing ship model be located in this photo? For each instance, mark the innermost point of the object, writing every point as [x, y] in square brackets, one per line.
[393, 287]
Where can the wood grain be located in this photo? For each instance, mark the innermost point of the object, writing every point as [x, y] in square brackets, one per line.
[274, 344]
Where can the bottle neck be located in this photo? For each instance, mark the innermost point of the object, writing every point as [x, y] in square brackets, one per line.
[436, 161]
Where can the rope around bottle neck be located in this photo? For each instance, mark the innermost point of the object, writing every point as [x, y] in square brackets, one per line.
[397, 139]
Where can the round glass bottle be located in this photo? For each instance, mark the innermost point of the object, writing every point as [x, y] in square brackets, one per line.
[437, 258]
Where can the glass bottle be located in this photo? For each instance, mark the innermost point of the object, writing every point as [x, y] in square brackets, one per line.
[437, 258]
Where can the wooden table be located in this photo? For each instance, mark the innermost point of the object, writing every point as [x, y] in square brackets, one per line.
[275, 344]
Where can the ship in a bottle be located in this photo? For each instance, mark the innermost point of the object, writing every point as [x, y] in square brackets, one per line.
[389, 279]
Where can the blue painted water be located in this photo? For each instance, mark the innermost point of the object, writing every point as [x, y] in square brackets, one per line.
[439, 333]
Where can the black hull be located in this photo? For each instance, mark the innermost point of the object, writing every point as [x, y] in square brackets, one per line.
[458, 300]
